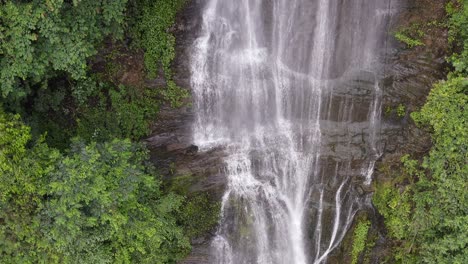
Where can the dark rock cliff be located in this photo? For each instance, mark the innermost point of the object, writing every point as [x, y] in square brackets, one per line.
[409, 76]
[170, 142]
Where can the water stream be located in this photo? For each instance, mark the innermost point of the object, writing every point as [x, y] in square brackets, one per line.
[291, 89]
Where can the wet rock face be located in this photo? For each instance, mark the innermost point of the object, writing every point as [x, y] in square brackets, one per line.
[170, 143]
[171, 140]
[409, 76]
[407, 79]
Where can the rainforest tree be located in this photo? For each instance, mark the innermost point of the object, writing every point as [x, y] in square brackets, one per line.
[74, 187]
[97, 203]
[428, 213]
[42, 39]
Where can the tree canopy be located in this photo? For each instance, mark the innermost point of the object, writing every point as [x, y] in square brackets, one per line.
[75, 187]
[98, 203]
[425, 207]
[41, 39]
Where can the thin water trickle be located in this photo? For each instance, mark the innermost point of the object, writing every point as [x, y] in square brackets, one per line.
[278, 83]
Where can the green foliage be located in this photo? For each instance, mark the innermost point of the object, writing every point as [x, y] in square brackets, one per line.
[174, 94]
[388, 111]
[154, 36]
[441, 198]
[458, 34]
[394, 205]
[401, 110]
[411, 35]
[97, 204]
[359, 239]
[23, 174]
[40, 39]
[59, 129]
[118, 113]
[395, 201]
[107, 112]
[50, 112]
[199, 215]
[395, 111]
[159, 44]
[409, 41]
[106, 208]
[425, 208]
[84, 89]
[97, 201]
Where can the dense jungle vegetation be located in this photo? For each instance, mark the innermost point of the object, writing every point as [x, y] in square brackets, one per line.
[76, 185]
[426, 205]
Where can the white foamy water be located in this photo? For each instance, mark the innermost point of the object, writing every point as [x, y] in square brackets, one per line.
[270, 84]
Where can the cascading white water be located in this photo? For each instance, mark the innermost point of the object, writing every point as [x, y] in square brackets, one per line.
[283, 86]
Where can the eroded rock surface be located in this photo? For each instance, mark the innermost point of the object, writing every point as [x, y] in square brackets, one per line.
[408, 77]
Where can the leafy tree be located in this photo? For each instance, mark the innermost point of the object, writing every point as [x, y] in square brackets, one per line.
[99, 203]
[121, 112]
[458, 34]
[41, 39]
[441, 215]
[425, 208]
[152, 34]
[359, 239]
[23, 175]
[199, 215]
[106, 208]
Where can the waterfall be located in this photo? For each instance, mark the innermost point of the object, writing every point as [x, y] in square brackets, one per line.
[291, 90]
